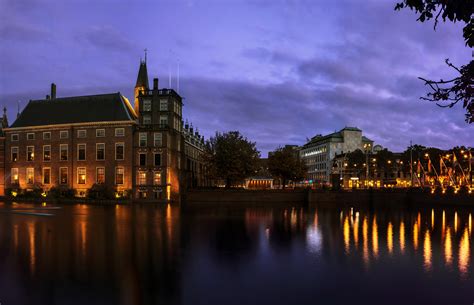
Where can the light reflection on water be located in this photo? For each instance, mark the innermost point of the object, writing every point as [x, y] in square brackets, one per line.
[162, 255]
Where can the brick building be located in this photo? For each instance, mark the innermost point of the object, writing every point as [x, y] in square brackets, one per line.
[76, 142]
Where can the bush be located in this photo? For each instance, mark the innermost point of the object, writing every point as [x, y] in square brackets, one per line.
[100, 191]
[61, 192]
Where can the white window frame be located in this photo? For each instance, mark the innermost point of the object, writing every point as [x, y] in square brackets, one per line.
[98, 131]
[147, 102]
[32, 152]
[67, 175]
[120, 132]
[32, 170]
[43, 170]
[49, 153]
[123, 155]
[156, 136]
[161, 180]
[67, 151]
[139, 179]
[15, 137]
[163, 105]
[96, 151]
[85, 151]
[62, 133]
[140, 139]
[97, 175]
[79, 169]
[79, 131]
[47, 133]
[30, 134]
[17, 153]
[14, 172]
[123, 175]
[147, 119]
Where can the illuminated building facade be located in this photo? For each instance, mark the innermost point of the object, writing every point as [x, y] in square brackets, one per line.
[78, 142]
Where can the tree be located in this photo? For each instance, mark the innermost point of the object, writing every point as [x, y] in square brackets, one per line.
[231, 157]
[285, 164]
[447, 93]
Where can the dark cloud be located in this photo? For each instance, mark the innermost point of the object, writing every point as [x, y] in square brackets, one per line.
[107, 38]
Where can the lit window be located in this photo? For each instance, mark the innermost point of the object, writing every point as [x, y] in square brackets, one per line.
[142, 139]
[100, 133]
[119, 132]
[30, 175]
[81, 175]
[30, 153]
[147, 119]
[157, 178]
[157, 139]
[81, 152]
[142, 159]
[163, 105]
[46, 152]
[14, 154]
[119, 151]
[141, 178]
[14, 176]
[100, 175]
[46, 175]
[146, 105]
[46, 135]
[158, 159]
[15, 137]
[119, 173]
[64, 134]
[30, 136]
[63, 175]
[100, 151]
[63, 152]
[82, 133]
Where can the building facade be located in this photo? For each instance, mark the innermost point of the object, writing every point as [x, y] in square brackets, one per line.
[82, 141]
[319, 152]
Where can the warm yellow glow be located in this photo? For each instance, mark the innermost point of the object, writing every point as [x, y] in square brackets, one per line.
[427, 254]
[365, 229]
[427, 155]
[402, 236]
[390, 238]
[355, 229]
[31, 238]
[14, 194]
[346, 235]
[470, 224]
[455, 221]
[448, 248]
[432, 218]
[443, 223]
[415, 236]
[375, 238]
[43, 204]
[464, 253]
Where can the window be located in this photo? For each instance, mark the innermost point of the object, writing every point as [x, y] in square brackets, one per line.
[156, 178]
[46, 152]
[46, 135]
[147, 119]
[119, 132]
[157, 159]
[15, 137]
[30, 175]
[30, 153]
[146, 105]
[81, 175]
[142, 139]
[157, 139]
[14, 154]
[14, 176]
[100, 133]
[82, 133]
[63, 152]
[100, 175]
[142, 159]
[30, 136]
[100, 151]
[119, 175]
[64, 134]
[81, 152]
[46, 175]
[119, 151]
[141, 178]
[163, 120]
[63, 175]
[163, 105]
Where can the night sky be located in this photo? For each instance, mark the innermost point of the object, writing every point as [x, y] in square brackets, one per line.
[278, 71]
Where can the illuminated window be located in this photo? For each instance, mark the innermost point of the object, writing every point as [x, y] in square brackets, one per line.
[14, 176]
[157, 139]
[119, 151]
[100, 151]
[100, 175]
[163, 120]
[15, 137]
[142, 159]
[100, 133]
[142, 137]
[119, 175]
[163, 105]
[14, 154]
[81, 152]
[146, 105]
[64, 134]
[81, 175]
[30, 175]
[157, 158]
[46, 175]
[63, 175]
[147, 119]
[30, 136]
[46, 135]
[63, 152]
[119, 132]
[46, 152]
[30, 153]
[156, 178]
[141, 178]
[82, 133]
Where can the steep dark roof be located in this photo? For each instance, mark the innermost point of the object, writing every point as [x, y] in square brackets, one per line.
[142, 79]
[76, 109]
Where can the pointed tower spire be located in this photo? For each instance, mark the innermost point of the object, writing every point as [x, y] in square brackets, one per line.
[4, 118]
[141, 84]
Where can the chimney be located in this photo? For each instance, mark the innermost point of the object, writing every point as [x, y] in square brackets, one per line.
[155, 84]
[53, 91]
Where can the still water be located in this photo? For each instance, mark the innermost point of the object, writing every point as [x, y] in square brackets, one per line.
[83, 254]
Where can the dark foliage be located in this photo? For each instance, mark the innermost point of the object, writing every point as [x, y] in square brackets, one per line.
[285, 164]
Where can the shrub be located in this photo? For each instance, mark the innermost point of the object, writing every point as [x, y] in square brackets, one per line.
[100, 191]
[61, 192]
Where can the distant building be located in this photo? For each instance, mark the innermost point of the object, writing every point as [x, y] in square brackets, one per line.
[319, 152]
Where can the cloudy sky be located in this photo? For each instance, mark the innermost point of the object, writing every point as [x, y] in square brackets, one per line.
[280, 71]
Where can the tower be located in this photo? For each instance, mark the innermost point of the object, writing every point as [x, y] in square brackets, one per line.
[141, 85]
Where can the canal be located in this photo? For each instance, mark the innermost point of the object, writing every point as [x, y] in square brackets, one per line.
[82, 254]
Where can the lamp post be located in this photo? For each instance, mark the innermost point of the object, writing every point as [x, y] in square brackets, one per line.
[367, 149]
